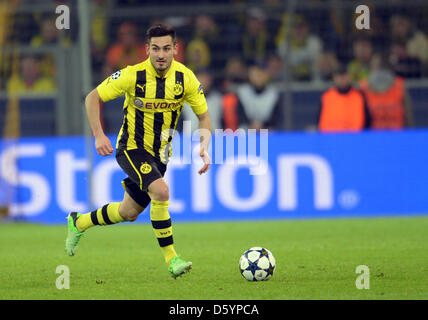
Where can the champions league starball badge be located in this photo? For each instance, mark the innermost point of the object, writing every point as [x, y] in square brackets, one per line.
[116, 75]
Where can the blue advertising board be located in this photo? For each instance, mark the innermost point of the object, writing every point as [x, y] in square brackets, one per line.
[281, 175]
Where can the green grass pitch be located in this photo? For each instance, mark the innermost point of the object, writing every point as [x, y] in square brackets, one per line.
[316, 259]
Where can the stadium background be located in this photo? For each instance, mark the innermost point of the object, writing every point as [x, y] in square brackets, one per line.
[47, 153]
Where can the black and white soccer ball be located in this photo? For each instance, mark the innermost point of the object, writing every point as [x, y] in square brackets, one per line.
[257, 264]
[116, 75]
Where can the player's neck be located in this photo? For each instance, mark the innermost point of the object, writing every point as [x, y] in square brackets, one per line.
[161, 74]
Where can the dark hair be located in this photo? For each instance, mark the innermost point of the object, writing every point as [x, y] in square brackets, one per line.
[160, 30]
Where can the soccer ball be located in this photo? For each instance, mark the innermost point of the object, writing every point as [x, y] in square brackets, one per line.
[257, 264]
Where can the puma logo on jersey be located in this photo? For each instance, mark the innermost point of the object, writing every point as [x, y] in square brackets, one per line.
[143, 87]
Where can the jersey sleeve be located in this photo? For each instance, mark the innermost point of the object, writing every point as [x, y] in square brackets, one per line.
[194, 95]
[115, 85]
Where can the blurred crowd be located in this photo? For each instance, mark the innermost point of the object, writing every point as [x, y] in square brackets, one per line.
[242, 57]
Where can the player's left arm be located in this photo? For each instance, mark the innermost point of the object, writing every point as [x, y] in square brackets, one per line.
[195, 97]
[205, 132]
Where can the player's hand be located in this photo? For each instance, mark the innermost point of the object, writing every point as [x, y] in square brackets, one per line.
[103, 146]
[207, 161]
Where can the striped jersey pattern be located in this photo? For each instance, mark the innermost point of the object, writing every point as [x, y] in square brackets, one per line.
[153, 104]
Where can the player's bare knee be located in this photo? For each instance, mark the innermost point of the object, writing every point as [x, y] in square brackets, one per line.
[162, 194]
[158, 190]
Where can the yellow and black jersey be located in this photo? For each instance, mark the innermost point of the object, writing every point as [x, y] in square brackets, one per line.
[152, 104]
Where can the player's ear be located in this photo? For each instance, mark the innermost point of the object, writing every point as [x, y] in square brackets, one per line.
[175, 48]
[147, 46]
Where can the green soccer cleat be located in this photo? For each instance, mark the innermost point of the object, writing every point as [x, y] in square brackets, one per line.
[73, 235]
[178, 267]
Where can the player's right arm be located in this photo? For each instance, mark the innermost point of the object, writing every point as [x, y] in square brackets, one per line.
[102, 143]
[112, 87]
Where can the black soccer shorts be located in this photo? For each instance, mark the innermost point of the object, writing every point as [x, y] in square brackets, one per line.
[142, 169]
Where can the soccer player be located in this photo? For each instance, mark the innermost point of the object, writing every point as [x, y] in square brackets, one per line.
[155, 91]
